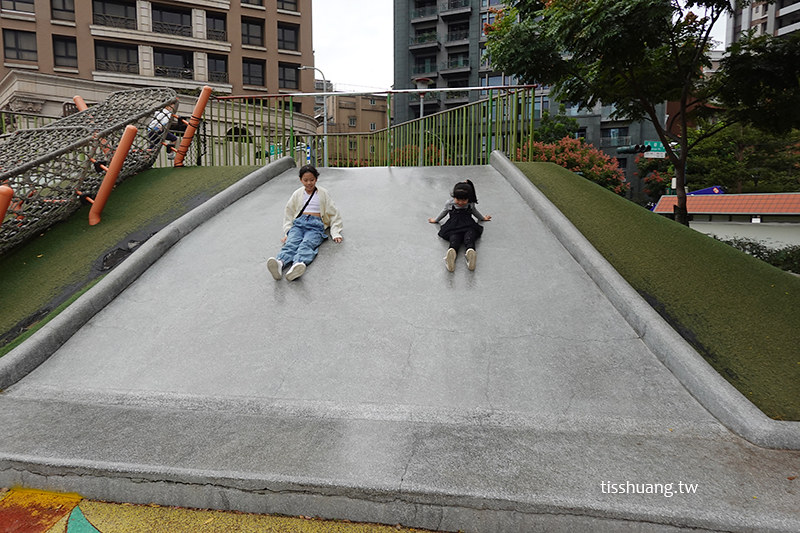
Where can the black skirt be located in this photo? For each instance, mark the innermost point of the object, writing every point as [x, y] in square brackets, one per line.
[459, 220]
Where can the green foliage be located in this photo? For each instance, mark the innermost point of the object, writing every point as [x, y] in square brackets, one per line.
[555, 127]
[744, 322]
[759, 84]
[579, 157]
[786, 258]
[744, 159]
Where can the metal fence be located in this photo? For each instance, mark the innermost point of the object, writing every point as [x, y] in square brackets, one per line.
[255, 130]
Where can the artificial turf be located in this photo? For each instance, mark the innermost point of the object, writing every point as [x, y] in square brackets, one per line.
[41, 274]
[741, 314]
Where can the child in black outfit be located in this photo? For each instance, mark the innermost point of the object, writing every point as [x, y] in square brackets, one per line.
[460, 227]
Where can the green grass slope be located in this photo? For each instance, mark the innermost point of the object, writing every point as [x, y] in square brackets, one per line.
[43, 273]
[740, 313]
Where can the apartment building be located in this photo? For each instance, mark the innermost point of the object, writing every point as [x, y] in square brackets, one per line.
[352, 114]
[778, 18]
[442, 41]
[239, 47]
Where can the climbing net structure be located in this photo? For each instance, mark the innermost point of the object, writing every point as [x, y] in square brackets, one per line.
[47, 171]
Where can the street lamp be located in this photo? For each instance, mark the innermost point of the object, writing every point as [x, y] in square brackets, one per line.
[324, 115]
[422, 84]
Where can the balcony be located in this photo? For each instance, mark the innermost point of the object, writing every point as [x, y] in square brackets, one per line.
[456, 97]
[182, 73]
[172, 29]
[107, 65]
[422, 14]
[455, 65]
[611, 142]
[216, 35]
[114, 21]
[457, 37]
[427, 70]
[455, 8]
[219, 77]
[424, 41]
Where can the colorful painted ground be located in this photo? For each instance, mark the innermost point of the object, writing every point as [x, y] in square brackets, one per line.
[33, 511]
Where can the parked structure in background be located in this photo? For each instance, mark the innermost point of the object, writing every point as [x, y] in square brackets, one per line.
[779, 18]
[248, 47]
[444, 42]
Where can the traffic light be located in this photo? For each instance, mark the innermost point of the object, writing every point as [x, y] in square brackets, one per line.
[634, 149]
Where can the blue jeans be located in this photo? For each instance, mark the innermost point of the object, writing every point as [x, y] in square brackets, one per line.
[302, 241]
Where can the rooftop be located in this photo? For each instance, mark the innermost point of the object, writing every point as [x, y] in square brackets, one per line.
[745, 204]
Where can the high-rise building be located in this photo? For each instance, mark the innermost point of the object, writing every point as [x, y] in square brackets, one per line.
[778, 18]
[443, 42]
[238, 47]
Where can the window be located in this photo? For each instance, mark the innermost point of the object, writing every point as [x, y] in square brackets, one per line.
[173, 64]
[288, 36]
[114, 14]
[19, 45]
[62, 9]
[352, 145]
[65, 51]
[217, 68]
[288, 5]
[18, 5]
[371, 101]
[252, 32]
[287, 76]
[253, 72]
[352, 122]
[373, 126]
[253, 2]
[171, 21]
[112, 57]
[216, 27]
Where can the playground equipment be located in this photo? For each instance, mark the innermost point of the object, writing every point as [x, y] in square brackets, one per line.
[49, 170]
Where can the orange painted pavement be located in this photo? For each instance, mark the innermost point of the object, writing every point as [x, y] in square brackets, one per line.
[33, 511]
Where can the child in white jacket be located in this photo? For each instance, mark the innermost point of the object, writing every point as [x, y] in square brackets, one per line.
[309, 211]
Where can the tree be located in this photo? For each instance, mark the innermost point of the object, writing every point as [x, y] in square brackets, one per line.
[637, 54]
[555, 127]
[744, 159]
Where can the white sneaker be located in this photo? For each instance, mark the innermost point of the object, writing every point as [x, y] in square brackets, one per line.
[275, 267]
[296, 271]
[471, 258]
[450, 259]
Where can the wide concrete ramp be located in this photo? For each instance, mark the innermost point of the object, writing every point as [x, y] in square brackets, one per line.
[381, 387]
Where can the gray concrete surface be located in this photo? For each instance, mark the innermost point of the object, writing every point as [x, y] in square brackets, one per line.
[379, 386]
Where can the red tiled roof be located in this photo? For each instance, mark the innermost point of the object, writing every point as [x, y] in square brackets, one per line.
[787, 203]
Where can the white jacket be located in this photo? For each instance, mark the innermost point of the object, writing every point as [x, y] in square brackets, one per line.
[330, 215]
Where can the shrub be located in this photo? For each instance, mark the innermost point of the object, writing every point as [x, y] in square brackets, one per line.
[581, 158]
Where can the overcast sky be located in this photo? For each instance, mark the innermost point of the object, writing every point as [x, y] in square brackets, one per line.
[353, 43]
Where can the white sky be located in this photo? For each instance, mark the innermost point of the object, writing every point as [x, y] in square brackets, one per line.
[353, 43]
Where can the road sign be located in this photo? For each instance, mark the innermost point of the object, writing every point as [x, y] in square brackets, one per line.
[656, 151]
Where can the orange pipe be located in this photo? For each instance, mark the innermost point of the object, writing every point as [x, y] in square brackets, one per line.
[79, 103]
[114, 168]
[194, 121]
[6, 194]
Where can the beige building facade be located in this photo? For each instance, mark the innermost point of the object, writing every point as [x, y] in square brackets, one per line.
[247, 47]
[351, 118]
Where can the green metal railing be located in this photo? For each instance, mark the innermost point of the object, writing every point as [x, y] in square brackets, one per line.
[255, 130]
